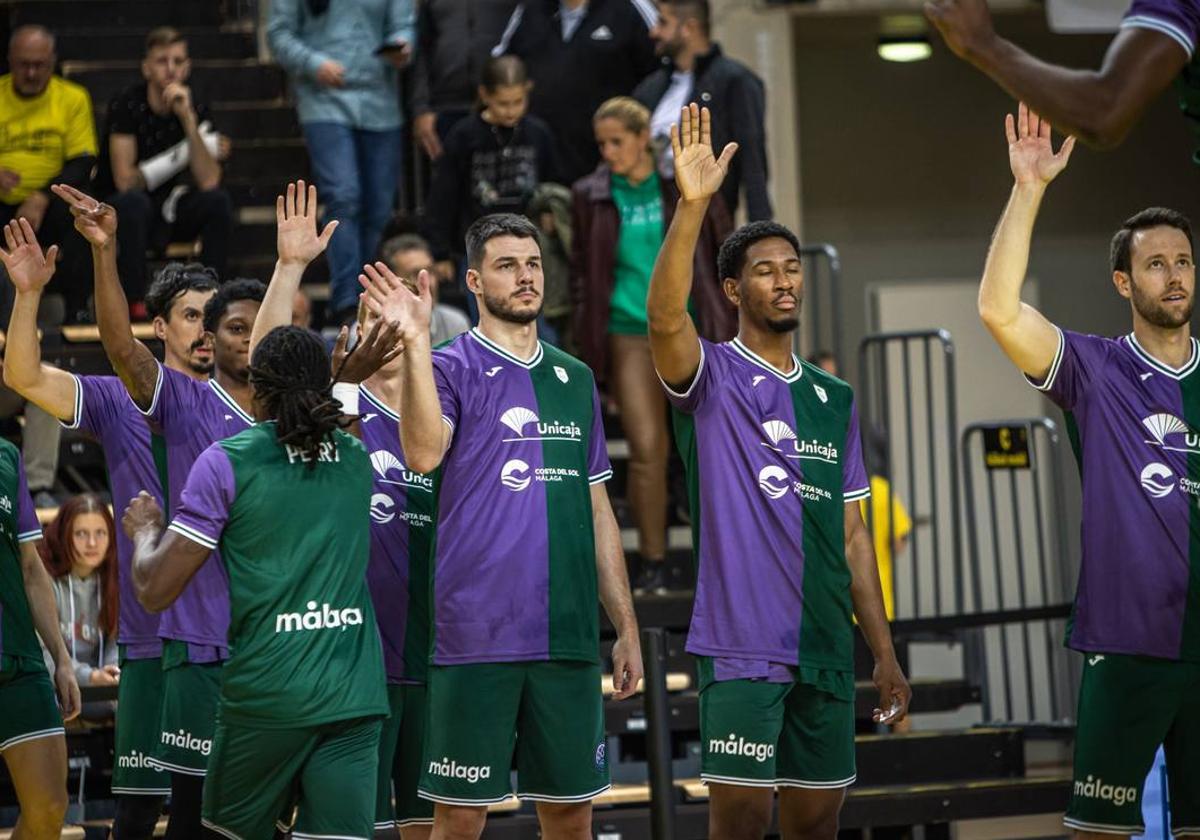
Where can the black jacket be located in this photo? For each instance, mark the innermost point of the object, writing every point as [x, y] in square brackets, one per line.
[454, 39]
[735, 96]
[607, 56]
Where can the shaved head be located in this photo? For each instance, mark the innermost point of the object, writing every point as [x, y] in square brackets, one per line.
[31, 59]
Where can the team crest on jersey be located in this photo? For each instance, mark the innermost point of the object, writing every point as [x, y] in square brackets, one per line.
[561, 373]
[820, 392]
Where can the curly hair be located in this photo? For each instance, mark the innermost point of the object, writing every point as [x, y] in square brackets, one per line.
[291, 379]
[731, 259]
[241, 288]
[172, 281]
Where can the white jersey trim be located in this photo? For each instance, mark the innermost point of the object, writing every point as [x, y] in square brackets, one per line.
[1101, 828]
[695, 378]
[29, 536]
[378, 403]
[229, 401]
[74, 424]
[192, 534]
[857, 495]
[1166, 27]
[750, 356]
[158, 384]
[1175, 373]
[224, 832]
[541, 797]
[600, 478]
[450, 800]
[488, 344]
[802, 783]
[1051, 374]
[32, 736]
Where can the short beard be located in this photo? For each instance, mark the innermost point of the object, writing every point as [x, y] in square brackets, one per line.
[1154, 314]
[204, 368]
[500, 308]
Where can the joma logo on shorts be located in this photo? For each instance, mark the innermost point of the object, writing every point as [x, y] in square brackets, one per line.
[322, 617]
[137, 761]
[1094, 788]
[187, 741]
[735, 745]
[453, 770]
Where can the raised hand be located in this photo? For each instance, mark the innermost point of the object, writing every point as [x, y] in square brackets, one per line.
[95, 220]
[28, 268]
[1030, 152]
[296, 237]
[698, 172]
[390, 298]
[966, 25]
[380, 345]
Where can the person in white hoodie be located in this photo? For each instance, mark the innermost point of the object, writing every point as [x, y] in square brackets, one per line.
[80, 554]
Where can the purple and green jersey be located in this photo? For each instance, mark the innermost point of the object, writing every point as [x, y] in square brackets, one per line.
[293, 530]
[1133, 423]
[1179, 20]
[515, 561]
[772, 459]
[19, 647]
[104, 411]
[190, 416]
[403, 511]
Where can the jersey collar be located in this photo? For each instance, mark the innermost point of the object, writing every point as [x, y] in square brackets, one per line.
[229, 401]
[752, 357]
[1175, 373]
[377, 403]
[488, 344]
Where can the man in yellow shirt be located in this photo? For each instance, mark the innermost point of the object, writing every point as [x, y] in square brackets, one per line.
[47, 135]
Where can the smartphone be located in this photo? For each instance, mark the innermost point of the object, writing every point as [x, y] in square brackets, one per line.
[393, 47]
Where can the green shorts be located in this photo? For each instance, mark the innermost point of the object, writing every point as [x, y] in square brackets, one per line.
[761, 734]
[30, 707]
[551, 714]
[190, 693]
[400, 761]
[1128, 705]
[328, 769]
[139, 704]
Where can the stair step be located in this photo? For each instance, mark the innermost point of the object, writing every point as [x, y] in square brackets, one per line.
[256, 119]
[271, 162]
[122, 44]
[217, 80]
[145, 14]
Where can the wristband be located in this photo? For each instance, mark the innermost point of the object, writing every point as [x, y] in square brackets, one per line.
[346, 394]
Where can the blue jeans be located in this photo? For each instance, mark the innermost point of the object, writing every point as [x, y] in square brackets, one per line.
[357, 173]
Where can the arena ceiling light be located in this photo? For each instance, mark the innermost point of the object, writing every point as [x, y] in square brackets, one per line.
[903, 38]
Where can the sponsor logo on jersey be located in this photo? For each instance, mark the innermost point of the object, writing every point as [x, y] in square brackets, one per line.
[384, 462]
[327, 453]
[381, 508]
[187, 741]
[318, 617]
[1095, 788]
[1158, 480]
[737, 745]
[783, 440]
[138, 761]
[471, 773]
[527, 426]
[516, 475]
[601, 755]
[774, 481]
[6, 504]
[1170, 432]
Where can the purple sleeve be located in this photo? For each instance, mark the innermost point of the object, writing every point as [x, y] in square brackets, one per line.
[174, 397]
[206, 498]
[28, 527]
[1077, 364]
[443, 378]
[1179, 20]
[599, 467]
[692, 398]
[94, 403]
[855, 485]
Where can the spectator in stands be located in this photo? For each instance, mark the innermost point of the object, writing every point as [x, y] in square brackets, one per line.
[493, 162]
[579, 53]
[46, 135]
[408, 255]
[454, 39]
[161, 166]
[301, 310]
[695, 70]
[344, 65]
[621, 213]
[80, 553]
[825, 360]
[890, 533]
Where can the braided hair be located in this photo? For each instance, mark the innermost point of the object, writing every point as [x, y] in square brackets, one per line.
[291, 380]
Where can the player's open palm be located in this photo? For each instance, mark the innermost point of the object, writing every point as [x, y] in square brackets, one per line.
[698, 172]
[95, 220]
[1030, 150]
[392, 299]
[28, 268]
[296, 237]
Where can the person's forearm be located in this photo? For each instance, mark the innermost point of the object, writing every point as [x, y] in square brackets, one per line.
[671, 280]
[147, 558]
[130, 359]
[1008, 256]
[40, 592]
[205, 169]
[422, 430]
[276, 308]
[22, 351]
[867, 595]
[612, 577]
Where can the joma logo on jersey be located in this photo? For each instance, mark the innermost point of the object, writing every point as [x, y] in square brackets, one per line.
[1095, 788]
[520, 418]
[1170, 432]
[736, 745]
[470, 773]
[322, 617]
[187, 741]
[138, 761]
[385, 462]
[784, 441]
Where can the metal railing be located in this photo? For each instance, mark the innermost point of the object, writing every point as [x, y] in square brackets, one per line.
[823, 298]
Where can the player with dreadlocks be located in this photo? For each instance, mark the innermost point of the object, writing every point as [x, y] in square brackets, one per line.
[288, 502]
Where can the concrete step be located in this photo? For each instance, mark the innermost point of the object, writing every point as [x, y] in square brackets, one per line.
[124, 44]
[273, 119]
[143, 14]
[217, 80]
[270, 164]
